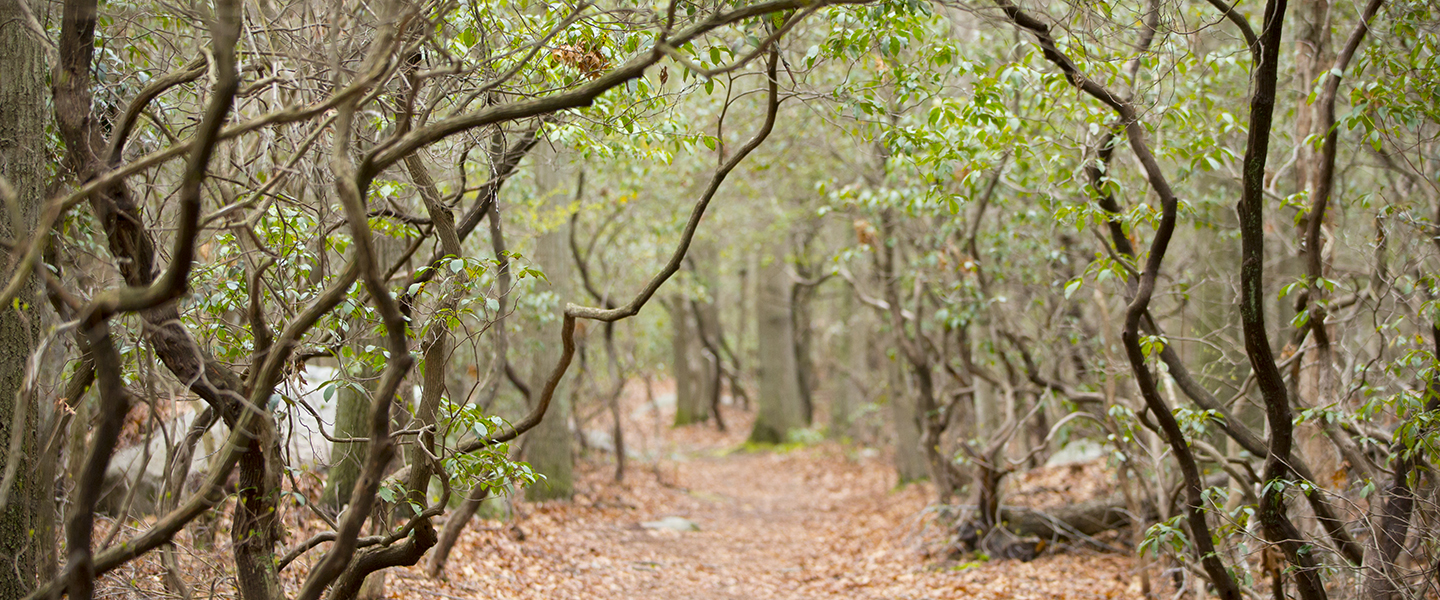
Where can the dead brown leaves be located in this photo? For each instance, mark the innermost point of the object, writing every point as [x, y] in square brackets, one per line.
[819, 522]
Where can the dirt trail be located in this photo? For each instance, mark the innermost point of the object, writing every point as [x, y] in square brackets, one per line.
[817, 522]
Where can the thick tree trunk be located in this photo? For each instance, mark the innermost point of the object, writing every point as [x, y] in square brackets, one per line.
[548, 448]
[352, 408]
[780, 407]
[687, 364]
[22, 164]
[910, 462]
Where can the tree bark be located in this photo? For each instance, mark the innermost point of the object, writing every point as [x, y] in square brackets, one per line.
[779, 399]
[855, 351]
[548, 448]
[909, 460]
[1390, 514]
[23, 167]
[351, 422]
[687, 364]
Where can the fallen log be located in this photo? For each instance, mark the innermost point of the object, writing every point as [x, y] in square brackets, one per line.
[1069, 522]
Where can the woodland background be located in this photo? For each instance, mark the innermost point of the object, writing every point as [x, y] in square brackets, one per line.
[372, 267]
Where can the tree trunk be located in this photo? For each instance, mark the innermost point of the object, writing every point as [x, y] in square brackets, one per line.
[855, 356]
[909, 460]
[352, 408]
[804, 338]
[255, 528]
[1392, 510]
[459, 520]
[548, 449]
[780, 408]
[687, 365]
[23, 165]
[1069, 522]
[708, 333]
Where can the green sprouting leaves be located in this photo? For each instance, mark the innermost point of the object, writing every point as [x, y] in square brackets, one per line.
[1168, 535]
[1073, 286]
[490, 466]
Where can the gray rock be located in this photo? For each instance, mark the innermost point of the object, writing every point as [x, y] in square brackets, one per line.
[672, 524]
[1078, 451]
[143, 465]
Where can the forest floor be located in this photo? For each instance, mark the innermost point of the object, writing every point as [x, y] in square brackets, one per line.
[818, 521]
[823, 520]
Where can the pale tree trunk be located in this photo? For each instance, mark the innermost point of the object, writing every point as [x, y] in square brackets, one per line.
[352, 406]
[548, 447]
[1312, 50]
[910, 463]
[855, 350]
[745, 284]
[1315, 383]
[708, 333]
[780, 404]
[707, 323]
[352, 409]
[22, 164]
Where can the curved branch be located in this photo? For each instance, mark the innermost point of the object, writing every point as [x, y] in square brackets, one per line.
[190, 72]
[1240, 22]
[610, 315]
[582, 95]
[1144, 289]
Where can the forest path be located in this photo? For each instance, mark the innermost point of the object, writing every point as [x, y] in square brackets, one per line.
[823, 521]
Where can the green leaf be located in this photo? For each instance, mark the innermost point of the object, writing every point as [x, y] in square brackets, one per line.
[1073, 286]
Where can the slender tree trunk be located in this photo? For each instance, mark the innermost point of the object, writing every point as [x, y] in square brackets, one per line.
[801, 297]
[617, 423]
[23, 166]
[707, 320]
[458, 521]
[706, 311]
[746, 286]
[1390, 514]
[855, 356]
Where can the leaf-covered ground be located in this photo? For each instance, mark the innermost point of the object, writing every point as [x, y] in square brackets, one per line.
[815, 522]
[821, 521]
